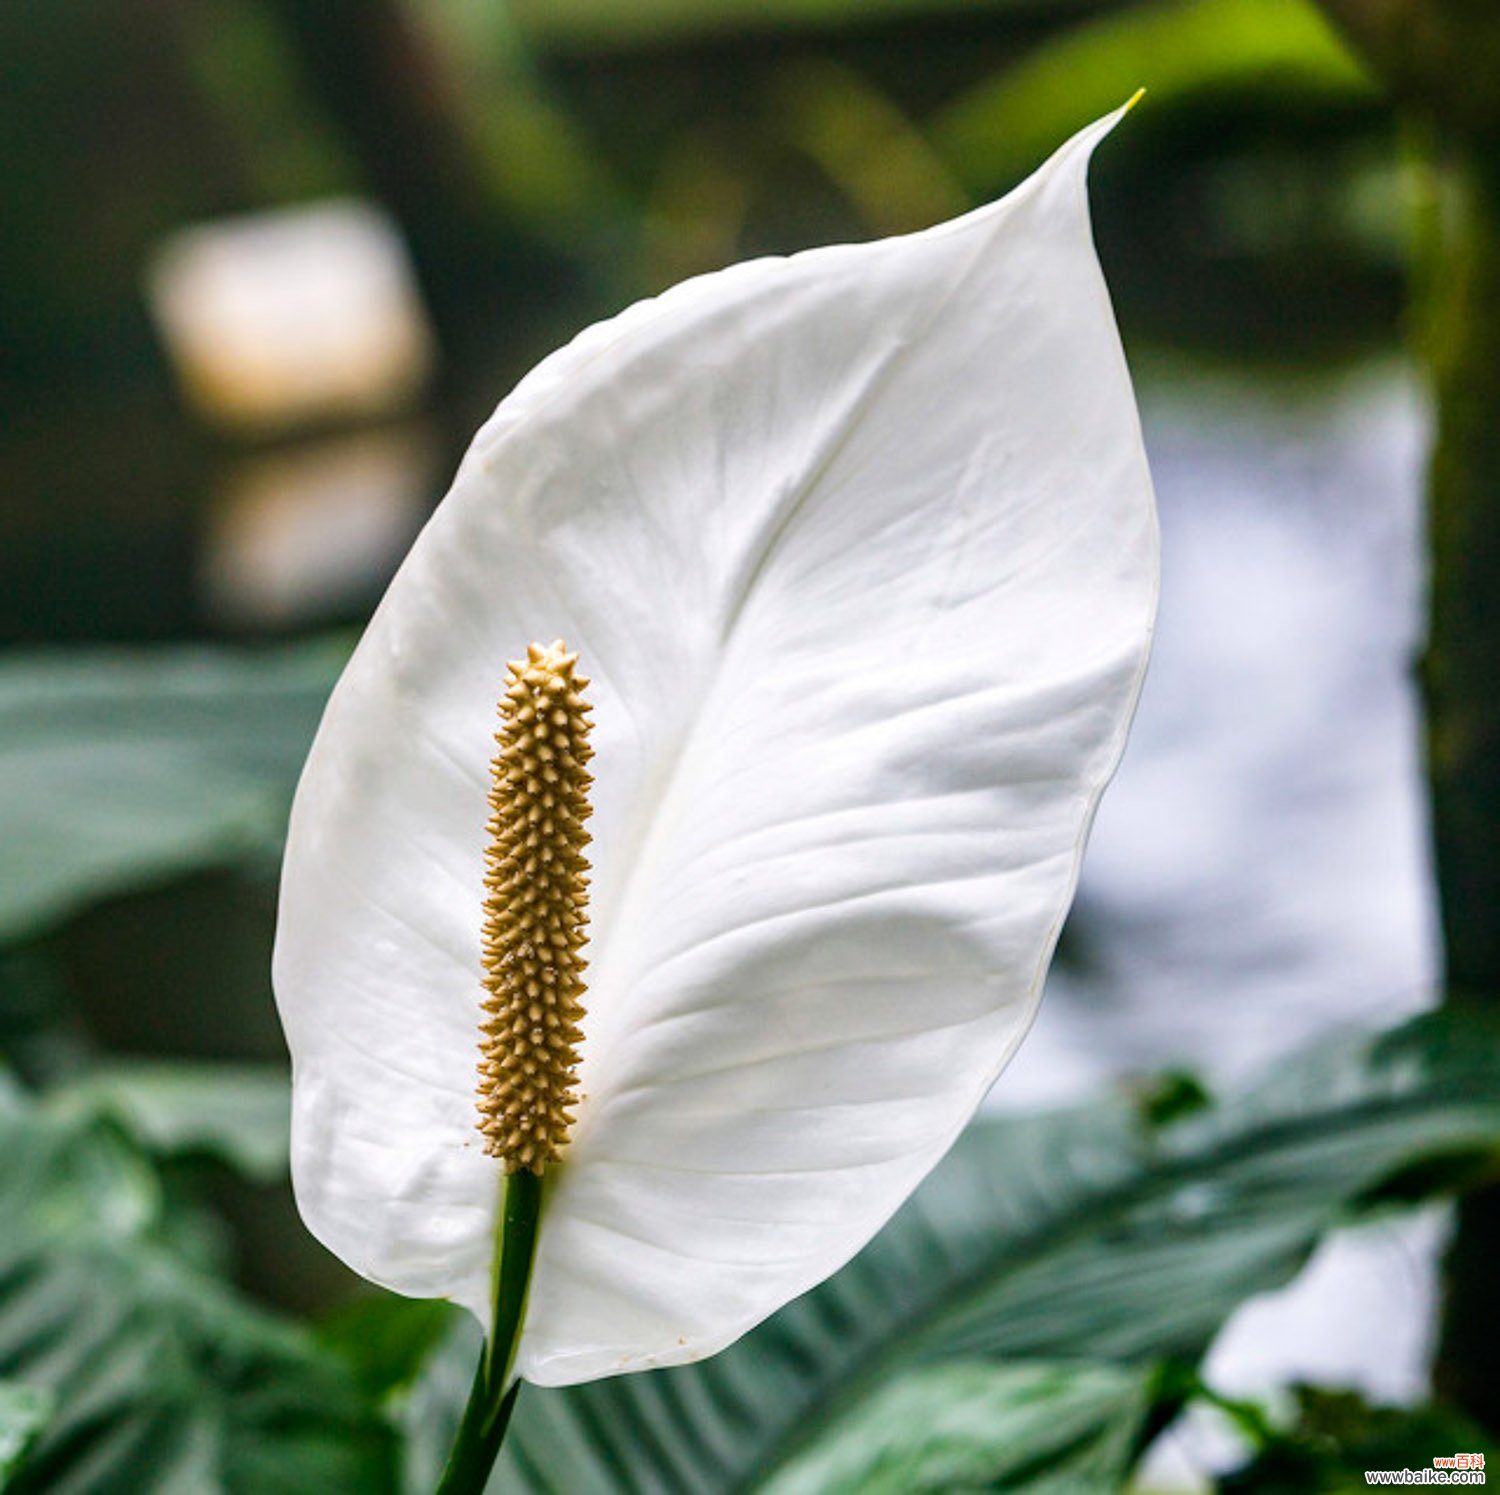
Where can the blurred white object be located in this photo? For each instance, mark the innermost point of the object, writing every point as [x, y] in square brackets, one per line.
[304, 532]
[1307, 1332]
[1358, 1318]
[290, 317]
[1258, 875]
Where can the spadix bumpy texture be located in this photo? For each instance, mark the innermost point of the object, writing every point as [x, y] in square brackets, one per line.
[859, 551]
[536, 897]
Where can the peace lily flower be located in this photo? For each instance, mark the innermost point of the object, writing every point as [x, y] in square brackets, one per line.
[858, 551]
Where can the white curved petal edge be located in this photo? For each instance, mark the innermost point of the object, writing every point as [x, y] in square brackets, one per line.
[860, 551]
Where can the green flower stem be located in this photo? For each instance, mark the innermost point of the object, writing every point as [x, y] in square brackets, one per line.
[493, 1394]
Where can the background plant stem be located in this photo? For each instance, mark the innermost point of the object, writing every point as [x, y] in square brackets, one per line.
[1441, 60]
[1462, 680]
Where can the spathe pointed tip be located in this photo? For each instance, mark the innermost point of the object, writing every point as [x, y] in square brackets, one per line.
[1133, 100]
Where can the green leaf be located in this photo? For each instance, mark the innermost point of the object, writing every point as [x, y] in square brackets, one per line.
[24, 1411]
[1090, 1236]
[606, 23]
[120, 768]
[237, 1113]
[164, 1380]
[1172, 48]
[1337, 1435]
[386, 1340]
[1041, 1429]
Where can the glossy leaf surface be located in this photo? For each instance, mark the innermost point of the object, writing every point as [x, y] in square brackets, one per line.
[163, 1379]
[1087, 1236]
[123, 767]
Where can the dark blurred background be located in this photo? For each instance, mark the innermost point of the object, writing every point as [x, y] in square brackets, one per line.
[543, 163]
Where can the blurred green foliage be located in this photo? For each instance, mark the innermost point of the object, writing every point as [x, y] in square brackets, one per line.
[592, 23]
[1091, 1237]
[1037, 1313]
[1187, 49]
[1026, 1322]
[1336, 1436]
[24, 1412]
[236, 1114]
[117, 772]
[161, 1378]
[1042, 1429]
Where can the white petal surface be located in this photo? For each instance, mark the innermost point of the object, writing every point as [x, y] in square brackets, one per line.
[859, 550]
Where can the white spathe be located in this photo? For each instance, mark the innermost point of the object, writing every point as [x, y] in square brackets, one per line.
[859, 550]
